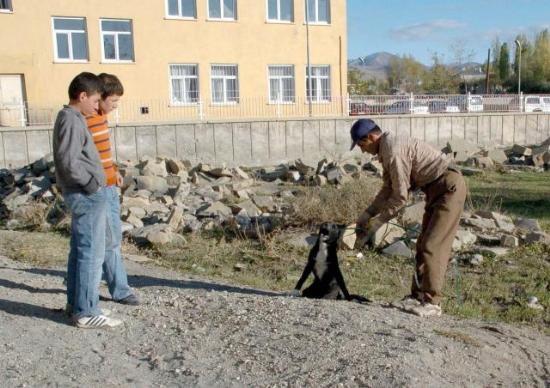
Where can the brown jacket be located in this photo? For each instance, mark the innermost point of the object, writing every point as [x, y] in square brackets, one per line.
[408, 164]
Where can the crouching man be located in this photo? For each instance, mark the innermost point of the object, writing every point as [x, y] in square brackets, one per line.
[411, 164]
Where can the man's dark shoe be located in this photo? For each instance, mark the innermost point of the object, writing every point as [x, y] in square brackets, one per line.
[131, 299]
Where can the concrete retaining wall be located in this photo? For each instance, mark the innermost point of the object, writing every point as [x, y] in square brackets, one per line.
[255, 143]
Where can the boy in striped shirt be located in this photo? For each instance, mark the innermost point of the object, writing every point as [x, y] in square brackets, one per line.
[113, 268]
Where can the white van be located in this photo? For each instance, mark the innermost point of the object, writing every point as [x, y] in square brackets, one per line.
[546, 104]
[532, 104]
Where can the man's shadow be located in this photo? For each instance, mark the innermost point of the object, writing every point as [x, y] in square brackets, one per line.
[33, 311]
[144, 281]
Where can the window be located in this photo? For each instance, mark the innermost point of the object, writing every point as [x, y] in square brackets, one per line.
[184, 82]
[320, 84]
[118, 44]
[5, 5]
[222, 9]
[280, 10]
[281, 84]
[225, 84]
[70, 39]
[318, 11]
[186, 9]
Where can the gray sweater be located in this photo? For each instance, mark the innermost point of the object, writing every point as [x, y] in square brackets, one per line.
[78, 167]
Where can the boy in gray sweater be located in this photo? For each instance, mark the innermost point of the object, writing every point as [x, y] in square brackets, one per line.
[80, 176]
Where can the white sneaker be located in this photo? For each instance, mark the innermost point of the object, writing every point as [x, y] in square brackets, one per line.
[97, 322]
[427, 310]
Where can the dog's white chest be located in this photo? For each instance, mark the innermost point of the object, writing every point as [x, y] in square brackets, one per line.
[321, 259]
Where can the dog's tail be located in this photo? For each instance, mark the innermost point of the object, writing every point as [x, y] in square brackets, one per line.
[359, 299]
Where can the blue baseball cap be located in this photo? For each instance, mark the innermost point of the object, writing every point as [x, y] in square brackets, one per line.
[360, 129]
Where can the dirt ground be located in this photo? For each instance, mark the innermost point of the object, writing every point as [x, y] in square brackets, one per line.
[194, 332]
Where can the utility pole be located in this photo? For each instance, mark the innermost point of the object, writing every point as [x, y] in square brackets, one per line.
[518, 43]
[309, 79]
[487, 72]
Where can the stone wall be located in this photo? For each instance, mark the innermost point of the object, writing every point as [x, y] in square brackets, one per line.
[254, 143]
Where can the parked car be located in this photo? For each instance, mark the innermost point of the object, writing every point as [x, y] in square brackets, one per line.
[404, 107]
[474, 103]
[442, 106]
[358, 109]
[533, 104]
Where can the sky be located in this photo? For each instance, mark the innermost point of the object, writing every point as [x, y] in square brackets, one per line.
[422, 27]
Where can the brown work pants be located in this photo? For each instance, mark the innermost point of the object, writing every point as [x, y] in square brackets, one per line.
[444, 204]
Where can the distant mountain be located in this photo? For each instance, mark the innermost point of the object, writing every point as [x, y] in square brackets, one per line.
[377, 66]
[374, 66]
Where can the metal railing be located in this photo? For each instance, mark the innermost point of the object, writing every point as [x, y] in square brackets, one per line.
[447, 103]
[158, 111]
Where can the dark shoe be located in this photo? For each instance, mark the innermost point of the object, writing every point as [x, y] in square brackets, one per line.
[131, 300]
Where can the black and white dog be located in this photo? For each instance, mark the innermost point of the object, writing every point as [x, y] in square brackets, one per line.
[328, 281]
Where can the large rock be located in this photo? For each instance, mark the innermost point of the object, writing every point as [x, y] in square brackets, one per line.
[175, 218]
[154, 168]
[528, 225]
[399, 249]
[519, 150]
[463, 239]
[219, 172]
[152, 183]
[175, 167]
[249, 207]
[537, 237]
[349, 237]
[387, 234]
[335, 175]
[303, 168]
[509, 241]
[482, 162]
[265, 203]
[413, 214]
[217, 209]
[498, 156]
[481, 223]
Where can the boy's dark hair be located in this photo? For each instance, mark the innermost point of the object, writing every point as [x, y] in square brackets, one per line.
[111, 85]
[85, 82]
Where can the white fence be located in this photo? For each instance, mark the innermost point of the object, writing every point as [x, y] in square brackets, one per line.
[158, 111]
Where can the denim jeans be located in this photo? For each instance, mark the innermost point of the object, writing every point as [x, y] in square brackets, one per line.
[87, 251]
[113, 268]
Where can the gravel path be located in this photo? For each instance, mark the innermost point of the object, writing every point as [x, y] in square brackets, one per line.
[193, 332]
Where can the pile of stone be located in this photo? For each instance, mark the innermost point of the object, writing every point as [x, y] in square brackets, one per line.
[162, 198]
[518, 157]
[481, 234]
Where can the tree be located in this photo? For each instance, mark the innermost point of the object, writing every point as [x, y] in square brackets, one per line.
[441, 79]
[504, 62]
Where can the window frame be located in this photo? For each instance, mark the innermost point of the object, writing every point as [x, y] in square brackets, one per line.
[171, 77]
[116, 33]
[69, 34]
[317, 79]
[280, 78]
[316, 21]
[179, 16]
[222, 18]
[278, 21]
[225, 78]
[9, 8]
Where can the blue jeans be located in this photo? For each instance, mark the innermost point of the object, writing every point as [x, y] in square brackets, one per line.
[87, 250]
[113, 268]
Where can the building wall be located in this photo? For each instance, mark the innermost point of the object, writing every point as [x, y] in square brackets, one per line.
[250, 42]
[263, 142]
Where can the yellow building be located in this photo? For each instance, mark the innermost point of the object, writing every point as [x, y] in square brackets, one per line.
[177, 59]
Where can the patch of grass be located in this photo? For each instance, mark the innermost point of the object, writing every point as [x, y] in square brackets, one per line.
[340, 204]
[525, 194]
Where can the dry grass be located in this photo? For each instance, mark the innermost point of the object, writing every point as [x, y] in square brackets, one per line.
[340, 204]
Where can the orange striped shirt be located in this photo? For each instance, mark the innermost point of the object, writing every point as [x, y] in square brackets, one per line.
[99, 128]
